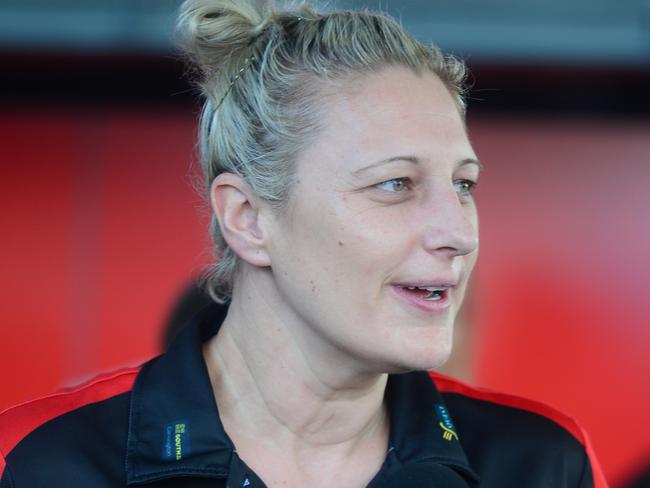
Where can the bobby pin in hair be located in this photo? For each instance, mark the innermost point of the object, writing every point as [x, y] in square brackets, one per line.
[247, 64]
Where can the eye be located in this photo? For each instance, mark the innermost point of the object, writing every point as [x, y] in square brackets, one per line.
[396, 185]
[465, 187]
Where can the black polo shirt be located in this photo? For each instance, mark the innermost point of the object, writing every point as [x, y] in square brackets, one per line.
[159, 426]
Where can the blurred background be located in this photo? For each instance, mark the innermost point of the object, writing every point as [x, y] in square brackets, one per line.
[101, 231]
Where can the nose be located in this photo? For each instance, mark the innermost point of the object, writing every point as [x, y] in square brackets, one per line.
[451, 226]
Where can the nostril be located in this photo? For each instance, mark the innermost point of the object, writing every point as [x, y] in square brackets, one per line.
[451, 237]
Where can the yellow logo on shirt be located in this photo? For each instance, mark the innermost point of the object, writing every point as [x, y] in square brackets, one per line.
[178, 441]
[176, 444]
[448, 434]
[447, 426]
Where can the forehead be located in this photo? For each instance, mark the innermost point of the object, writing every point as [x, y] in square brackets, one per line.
[394, 111]
[395, 86]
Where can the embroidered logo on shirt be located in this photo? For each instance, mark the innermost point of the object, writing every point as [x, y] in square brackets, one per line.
[447, 426]
[176, 445]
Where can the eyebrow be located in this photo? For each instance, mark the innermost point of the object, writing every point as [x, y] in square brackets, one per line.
[414, 160]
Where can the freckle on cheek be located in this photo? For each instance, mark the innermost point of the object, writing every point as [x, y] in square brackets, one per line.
[340, 243]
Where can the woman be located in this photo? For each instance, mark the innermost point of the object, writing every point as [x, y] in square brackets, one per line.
[340, 176]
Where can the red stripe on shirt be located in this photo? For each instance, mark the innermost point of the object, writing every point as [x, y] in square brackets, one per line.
[18, 421]
[445, 384]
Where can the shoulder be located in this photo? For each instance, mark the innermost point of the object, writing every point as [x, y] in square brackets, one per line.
[56, 423]
[494, 425]
[19, 421]
[476, 399]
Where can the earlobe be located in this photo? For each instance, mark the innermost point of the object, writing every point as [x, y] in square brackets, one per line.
[237, 210]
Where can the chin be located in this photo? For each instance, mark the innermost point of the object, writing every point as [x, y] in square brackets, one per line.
[429, 349]
[421, 358]
[405, 347]
[431, 360]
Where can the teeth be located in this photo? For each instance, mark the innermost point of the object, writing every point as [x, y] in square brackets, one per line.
[433, 298]
[434, 288]
[428, 288]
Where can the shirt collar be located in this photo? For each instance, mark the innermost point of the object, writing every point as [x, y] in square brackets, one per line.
[175, 429]
[422, 429]
[174, 425]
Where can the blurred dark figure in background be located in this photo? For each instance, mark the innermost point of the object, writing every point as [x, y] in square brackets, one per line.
[640, 480]
[190, 302]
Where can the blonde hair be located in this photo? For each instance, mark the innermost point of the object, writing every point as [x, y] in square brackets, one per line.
[265, 72]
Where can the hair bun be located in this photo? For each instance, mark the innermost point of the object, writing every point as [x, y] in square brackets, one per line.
[215, 32]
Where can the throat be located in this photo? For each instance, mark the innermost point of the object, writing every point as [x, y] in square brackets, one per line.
[346, 465]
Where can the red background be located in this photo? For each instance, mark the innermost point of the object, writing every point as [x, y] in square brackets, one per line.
[101, 230]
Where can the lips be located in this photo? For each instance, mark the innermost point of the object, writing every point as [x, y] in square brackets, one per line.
[448, 281]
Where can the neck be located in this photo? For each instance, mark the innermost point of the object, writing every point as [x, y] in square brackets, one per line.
[273, 381]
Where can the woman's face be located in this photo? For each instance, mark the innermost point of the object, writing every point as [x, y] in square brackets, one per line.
[382, 204]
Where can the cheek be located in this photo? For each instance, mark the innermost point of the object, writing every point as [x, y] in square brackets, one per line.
[389, 232]
[315, 247]
[336, 244]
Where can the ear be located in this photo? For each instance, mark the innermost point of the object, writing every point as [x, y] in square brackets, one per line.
[238, 211]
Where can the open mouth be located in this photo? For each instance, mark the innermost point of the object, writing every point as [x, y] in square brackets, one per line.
[427, 293]
[428, 298]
